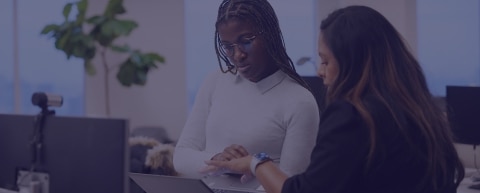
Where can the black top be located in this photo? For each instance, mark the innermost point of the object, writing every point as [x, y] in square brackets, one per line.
[339, 159]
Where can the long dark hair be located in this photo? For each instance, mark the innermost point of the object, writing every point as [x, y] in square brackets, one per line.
[373, 60]
[261, 13]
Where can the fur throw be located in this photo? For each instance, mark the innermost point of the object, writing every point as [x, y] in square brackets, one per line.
[149, 156]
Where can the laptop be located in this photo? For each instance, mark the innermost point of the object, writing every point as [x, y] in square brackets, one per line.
[210, 184]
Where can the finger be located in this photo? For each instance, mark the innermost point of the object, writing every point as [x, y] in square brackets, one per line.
[220, 157]
[245, 178]
[232, 152]
[241, 150]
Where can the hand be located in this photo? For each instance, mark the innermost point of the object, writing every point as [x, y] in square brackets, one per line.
[239, 165]
[233, 151]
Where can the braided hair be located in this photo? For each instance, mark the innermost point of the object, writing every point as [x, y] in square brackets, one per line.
[261, 13]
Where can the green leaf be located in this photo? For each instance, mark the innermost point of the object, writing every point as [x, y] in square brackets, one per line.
[79, 50]
[146, 61]
[90, 52]
[107, 28]
[89, 68]
[97, 20]
[89, 41]
[105, 41]
[122, 49]
[141, 78]
[77, 30]
[113, 8]
[118, 27]
[65, 26]
[82, 6]
[136, 58]
[62, 41]
[126, 74]
[124, 27]
[82, 10]
[156, 57]
[66, 10]
[47, 29]
[97, 34]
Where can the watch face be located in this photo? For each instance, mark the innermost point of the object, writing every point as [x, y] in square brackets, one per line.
[262, 156]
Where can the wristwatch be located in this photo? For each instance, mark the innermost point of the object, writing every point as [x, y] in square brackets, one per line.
[258, 159]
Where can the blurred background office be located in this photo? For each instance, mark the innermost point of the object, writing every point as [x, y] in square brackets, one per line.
[444, 35]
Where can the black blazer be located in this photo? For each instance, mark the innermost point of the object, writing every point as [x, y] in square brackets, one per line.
[338, 161]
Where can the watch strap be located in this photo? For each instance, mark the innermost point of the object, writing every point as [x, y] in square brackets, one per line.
[258, 159]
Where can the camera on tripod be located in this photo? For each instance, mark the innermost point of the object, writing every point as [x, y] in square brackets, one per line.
[44, 100]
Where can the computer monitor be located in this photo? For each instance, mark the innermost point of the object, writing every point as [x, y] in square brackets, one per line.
[79, 154]
[463, 111]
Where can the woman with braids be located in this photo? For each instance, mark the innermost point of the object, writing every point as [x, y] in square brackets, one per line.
[381, 131]
[256, 103]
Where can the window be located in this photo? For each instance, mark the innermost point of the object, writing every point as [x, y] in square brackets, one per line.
[6, 57]
[297, 22]
[41, 67]
[449, 43]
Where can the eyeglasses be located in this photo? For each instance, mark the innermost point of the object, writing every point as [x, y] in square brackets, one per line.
[244, 45]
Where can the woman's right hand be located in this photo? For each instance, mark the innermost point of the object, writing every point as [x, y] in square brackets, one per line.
[239, 166]
[233, 151]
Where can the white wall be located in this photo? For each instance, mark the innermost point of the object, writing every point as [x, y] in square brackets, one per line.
[449, 43]
[162, 102]
[402, 14]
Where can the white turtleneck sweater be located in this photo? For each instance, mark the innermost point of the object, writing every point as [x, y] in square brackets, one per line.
[275, 115]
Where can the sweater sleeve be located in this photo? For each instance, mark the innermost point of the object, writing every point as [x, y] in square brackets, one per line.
[189, 156]
[337, 158]
[301, 132]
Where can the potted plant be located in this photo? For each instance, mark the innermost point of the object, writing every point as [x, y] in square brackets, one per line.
[71, 38]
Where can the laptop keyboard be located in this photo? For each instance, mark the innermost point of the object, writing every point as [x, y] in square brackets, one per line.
[219, 191]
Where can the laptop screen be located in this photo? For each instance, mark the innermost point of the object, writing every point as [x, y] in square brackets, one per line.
[160, 184]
